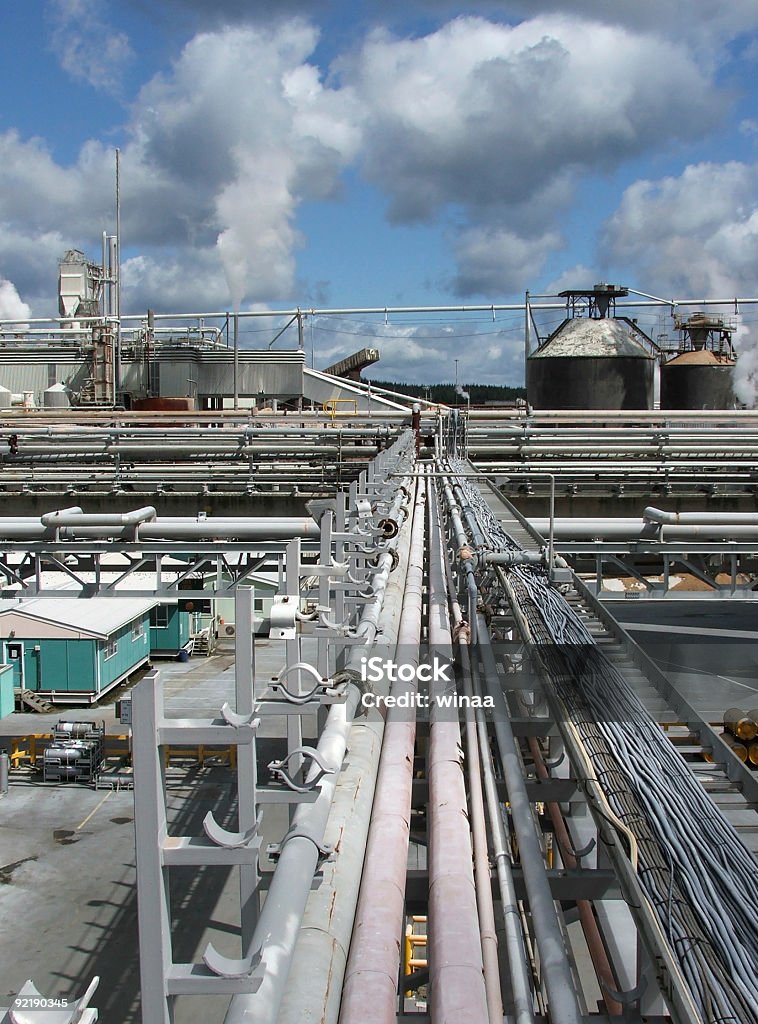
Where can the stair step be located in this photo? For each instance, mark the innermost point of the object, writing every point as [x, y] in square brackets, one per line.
[31, 700]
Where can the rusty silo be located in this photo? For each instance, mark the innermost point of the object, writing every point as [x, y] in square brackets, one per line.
[701, 374]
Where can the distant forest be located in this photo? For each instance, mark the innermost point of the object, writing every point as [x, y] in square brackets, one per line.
[479, 393]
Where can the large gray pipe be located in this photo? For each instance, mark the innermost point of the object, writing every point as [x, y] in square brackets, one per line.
[485, 902]
[75, 517]
[104, 526]
[657, 515]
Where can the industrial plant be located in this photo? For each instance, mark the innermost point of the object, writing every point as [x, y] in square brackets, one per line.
[325, 703]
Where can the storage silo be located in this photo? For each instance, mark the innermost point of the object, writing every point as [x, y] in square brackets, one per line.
[701, 374]
[592, 362]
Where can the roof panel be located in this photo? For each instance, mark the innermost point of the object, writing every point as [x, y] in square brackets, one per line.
[98, 616]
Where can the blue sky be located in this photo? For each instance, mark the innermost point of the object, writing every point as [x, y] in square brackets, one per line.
[277, 153]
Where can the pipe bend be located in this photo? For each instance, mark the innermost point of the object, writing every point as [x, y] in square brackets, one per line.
[657, 515]
[75, 517]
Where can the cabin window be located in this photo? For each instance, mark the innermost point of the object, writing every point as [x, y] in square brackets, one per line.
[159, 616]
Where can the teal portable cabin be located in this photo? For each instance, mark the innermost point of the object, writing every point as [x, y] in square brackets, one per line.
[7, 700]
[169, 629]
[73, 650]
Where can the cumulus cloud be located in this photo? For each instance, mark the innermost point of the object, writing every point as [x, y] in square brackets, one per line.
[691, 235]
[485, 114]
[497, 261]
[85, 45]
[708, 21]
[224, 146]
[242, 131]
[483, 127]
[499, 121]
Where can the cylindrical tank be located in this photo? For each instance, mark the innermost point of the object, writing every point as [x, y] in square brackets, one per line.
[6, 398]
[76, 730]
[592, 363]
[740, 724]
[738, 749]
[701, 379]
[60, 759]
[56, 397]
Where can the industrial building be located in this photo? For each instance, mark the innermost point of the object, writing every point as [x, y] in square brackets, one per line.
[475, 736]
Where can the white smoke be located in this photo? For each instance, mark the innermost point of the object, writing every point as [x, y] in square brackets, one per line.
[463, 394]
[257, 248]
[12, 308]
[746, 368]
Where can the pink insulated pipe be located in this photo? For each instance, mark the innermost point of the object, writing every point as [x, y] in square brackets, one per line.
[370, 987]
[458, 994]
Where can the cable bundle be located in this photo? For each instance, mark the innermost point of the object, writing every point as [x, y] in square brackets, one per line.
[700, 878]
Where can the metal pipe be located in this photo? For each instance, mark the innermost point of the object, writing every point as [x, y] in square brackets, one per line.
[657, 515]
[517, 957]
[553, 956]
[593, 937]
[484, 899]
[455, 952]
[372, 968]
[277, 929]
[236, 363]
[514, 937]
[489, 308]
[515, 557]
[168, 528]
[117, 276]
[75, 517]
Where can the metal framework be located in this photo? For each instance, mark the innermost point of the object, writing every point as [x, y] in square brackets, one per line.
[521, 762]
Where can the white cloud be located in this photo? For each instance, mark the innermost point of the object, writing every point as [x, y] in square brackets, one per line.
[223, 147]
[496, 261]
[704, 21]
[247, 127]
[483, 126]
[484, 115]
[86, 47]
[499, 122]
[693, 235]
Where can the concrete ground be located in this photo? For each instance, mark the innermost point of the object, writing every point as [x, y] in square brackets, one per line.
[67, 866]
